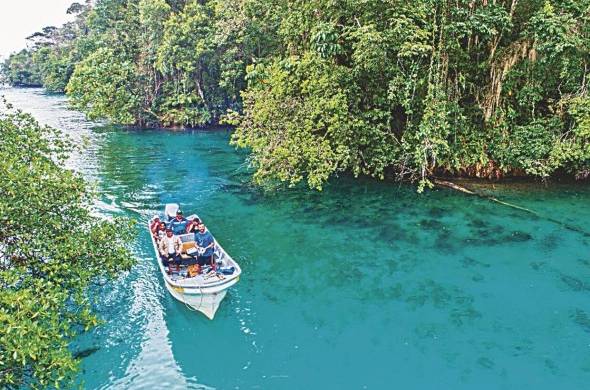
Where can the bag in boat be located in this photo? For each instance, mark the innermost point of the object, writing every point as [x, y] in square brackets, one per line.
[193, 270]
[226, 270]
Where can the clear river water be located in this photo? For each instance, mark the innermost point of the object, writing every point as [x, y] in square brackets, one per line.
[366, 285]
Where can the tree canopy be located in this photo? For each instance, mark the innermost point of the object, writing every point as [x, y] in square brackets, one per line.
[416, 89]
[486, 88]
[52, 249]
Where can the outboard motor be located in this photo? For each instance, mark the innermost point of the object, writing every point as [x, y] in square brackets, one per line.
[170, 210]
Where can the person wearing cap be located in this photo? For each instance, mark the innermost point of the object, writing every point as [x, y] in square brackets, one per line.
[178, 224]
[170, 248]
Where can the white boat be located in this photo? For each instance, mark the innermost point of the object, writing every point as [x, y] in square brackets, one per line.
[203, 292]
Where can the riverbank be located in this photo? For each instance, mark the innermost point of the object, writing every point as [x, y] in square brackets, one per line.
[474, 180]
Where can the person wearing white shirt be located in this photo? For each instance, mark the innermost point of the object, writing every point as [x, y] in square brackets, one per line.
[170, 247]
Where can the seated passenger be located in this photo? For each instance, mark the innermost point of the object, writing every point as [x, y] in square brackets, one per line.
[160, 231]
[205, 245]
[193, 226]
[178, 224]
[155, 223]
[170, 248]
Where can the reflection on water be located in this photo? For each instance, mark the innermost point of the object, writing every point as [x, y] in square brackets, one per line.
[365, 285]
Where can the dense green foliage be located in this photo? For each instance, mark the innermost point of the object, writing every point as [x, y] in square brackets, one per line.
[52, 249]
[427, 87]
[158, 63]
[374, 87]
[20, 70]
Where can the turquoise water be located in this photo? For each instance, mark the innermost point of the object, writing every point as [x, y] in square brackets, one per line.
[366, 285]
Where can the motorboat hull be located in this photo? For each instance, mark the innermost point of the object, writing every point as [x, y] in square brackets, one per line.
[206, 300]
[205, 303]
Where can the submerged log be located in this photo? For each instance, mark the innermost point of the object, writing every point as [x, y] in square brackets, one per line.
[457, 187]
[85, 352]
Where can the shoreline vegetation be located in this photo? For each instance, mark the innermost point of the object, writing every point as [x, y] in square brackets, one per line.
[54, 253]
[414, 91]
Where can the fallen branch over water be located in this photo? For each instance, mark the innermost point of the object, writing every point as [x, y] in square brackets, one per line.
[444, 183]
[457, 187]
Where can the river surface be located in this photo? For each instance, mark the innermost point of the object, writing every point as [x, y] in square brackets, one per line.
[366, 285]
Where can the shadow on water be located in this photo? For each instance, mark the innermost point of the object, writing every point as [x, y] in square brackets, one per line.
[581, 319]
